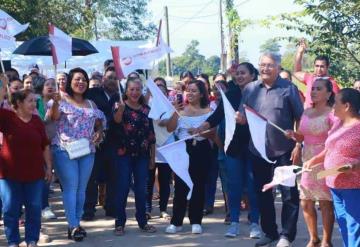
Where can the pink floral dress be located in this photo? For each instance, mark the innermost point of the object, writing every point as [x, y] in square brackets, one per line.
[315, 131]
[75, 123]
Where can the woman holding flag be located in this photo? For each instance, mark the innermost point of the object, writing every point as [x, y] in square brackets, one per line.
[237, 161]
[341, 158]
[135, 152]
[198, 148]
[313, 131]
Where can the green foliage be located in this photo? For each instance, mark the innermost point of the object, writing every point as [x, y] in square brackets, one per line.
[334, 30]
[193, 61]
[88, 19]
[270, 45]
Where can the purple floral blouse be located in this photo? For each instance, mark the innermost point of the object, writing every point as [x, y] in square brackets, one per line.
[75, 123]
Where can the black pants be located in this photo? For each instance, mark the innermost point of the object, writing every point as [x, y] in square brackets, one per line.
[164, 176]
[263, 174]
[198, 168]
[103, 172]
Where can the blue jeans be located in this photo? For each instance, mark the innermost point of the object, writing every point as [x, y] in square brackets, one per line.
[210, 186]
[73, 175]
[346, 204]
[125, 168]
[13, 196]
[239, 172]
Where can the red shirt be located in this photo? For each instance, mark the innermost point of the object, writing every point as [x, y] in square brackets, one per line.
[21, 156]
[309, 80]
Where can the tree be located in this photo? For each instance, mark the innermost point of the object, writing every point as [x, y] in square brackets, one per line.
[88, 19]
[192, 60]
[270, 45]
[334, 31]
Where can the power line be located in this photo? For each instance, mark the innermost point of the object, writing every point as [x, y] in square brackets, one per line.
[198, 12]
[196, 17]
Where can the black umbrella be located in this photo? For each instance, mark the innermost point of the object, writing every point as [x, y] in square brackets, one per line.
[41, 46]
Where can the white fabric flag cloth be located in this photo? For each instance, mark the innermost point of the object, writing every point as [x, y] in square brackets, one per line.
[141, 58]
[160, 103]
[6, 40]
[62, 44]
[230, 122]
[10, 25]
[285, 175]
[257, 126]
[178, 159]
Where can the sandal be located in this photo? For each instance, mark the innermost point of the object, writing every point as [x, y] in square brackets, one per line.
[326, 244]
[148, 228]
[119, 231]
[75, 234]
[165, 215]
[314, 243]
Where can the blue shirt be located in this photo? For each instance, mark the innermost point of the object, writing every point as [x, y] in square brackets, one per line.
[281, 105]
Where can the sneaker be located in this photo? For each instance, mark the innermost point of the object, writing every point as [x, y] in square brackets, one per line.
[233, 230]
[13, 245]
[265, 241]
[32, 244]
[255, 231]
[196, 229]
[164, 215]
[43, 237]
[171, 229]
[48, 214]
[119, 231]
[283, 242]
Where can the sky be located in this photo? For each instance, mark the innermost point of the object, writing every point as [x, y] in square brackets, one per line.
[199, 19]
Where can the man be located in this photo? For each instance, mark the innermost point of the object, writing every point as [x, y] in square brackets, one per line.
[278, 100]
[102, 176]
[321, 69]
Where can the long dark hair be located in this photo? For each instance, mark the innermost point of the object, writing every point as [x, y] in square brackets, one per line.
[142, 100]
[329, 88]
[204, 100]
[72, 72]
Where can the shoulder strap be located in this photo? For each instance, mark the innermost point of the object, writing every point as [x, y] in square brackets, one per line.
[91, 105]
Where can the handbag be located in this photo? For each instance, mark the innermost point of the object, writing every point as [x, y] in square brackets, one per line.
[78, 148]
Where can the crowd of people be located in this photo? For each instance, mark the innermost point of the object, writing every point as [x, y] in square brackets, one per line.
[95, 137]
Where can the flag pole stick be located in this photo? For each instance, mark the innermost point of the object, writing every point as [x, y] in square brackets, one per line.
[186, 138]
[120, 93]
[276, 126]
[2, 64]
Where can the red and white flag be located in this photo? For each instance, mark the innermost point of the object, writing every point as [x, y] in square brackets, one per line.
[12, 26]
[131, 59]
[178, 160]
[115, 51]
[283, 175]
[9, 27]
[61, 45]
[257, 125]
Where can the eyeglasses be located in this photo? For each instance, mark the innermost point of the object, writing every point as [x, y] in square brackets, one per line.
[267, 66]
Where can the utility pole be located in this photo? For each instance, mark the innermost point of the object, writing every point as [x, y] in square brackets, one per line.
[223, 54]
[168, 59]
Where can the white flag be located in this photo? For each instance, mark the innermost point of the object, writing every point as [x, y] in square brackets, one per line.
[178, 159]
[62, 45]
[6, 40]
[230, 122]
[160, 103]
[10, 25]
[132, 59]
[257, 126]
[283, 175]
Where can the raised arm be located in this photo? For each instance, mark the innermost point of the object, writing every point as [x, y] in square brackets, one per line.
[298, 73]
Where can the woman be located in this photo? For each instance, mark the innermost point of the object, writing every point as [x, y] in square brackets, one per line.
[161, 166]
[186, 77]
[77, 118]
[61, 80]
[22, 176]
[28, 82]
[46, 89]
[313, 131]
[135, 152]
[194, 113]
[237, 161]
[342, 153]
